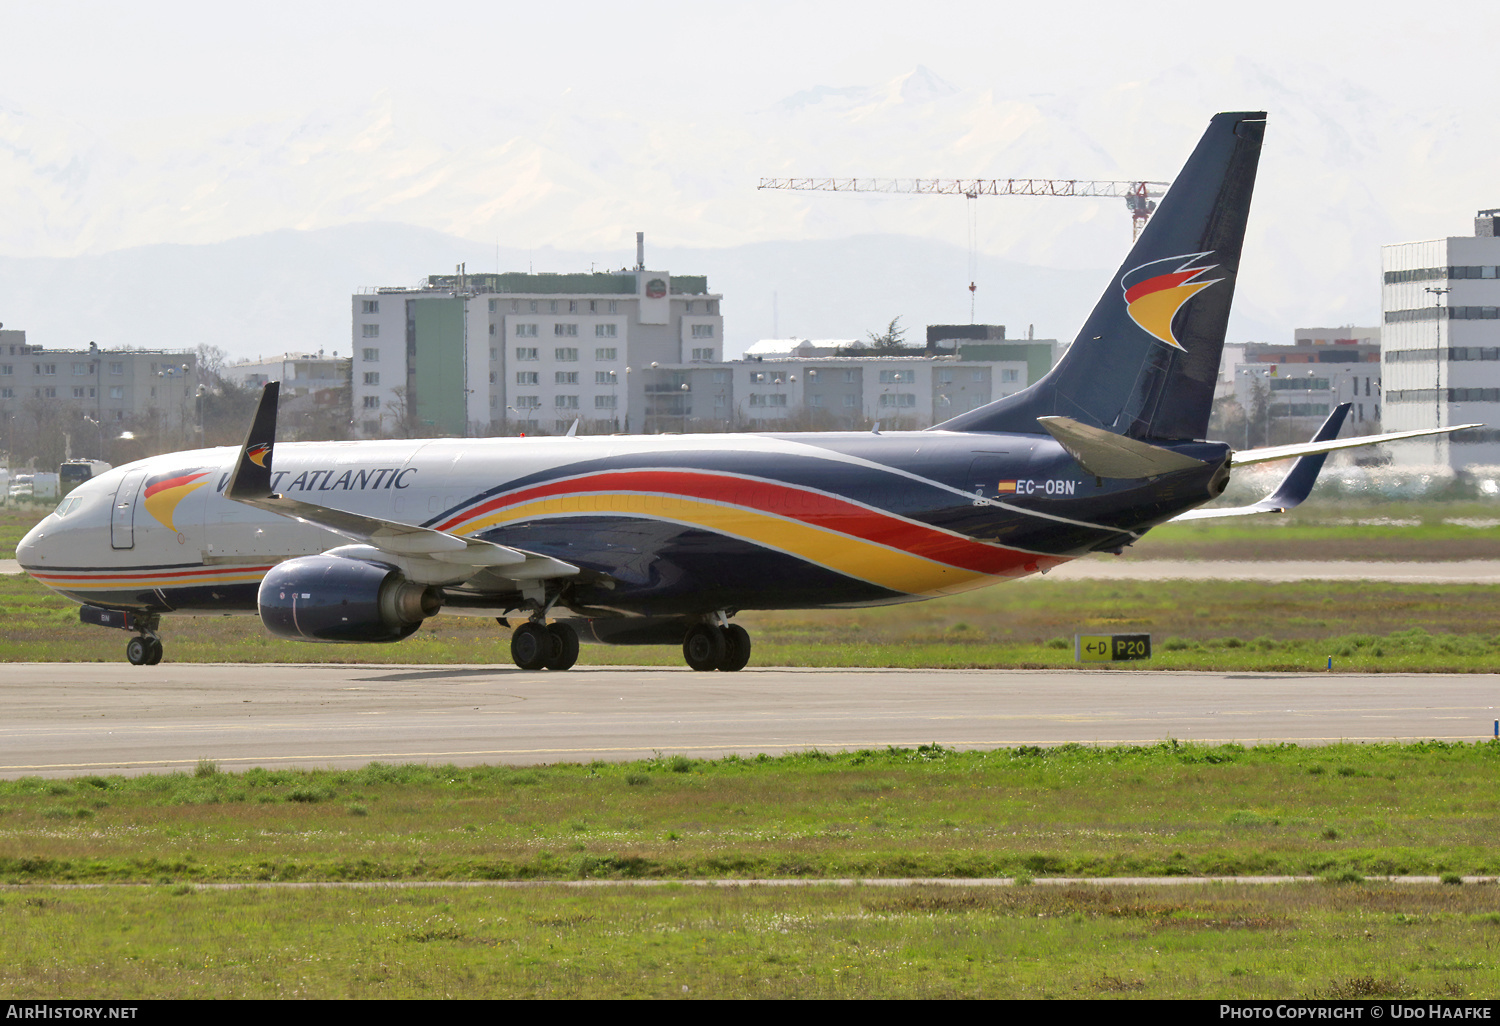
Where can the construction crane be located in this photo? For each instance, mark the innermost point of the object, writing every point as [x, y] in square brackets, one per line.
[1140, 197]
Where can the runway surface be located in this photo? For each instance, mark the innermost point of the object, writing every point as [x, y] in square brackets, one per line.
[67, 719]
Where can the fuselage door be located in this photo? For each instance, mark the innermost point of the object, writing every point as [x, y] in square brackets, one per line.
[122, 517]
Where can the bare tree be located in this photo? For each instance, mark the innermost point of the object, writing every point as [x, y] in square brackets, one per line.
[1228, 420]
[226, 409]
[891, 340]
[211, 361]
[402, 408]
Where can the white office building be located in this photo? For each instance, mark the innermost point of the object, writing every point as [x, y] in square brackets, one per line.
[841, 392]
[481, 354]
[300, 374]
[1440, 344]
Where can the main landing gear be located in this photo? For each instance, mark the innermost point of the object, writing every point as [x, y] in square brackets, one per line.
[709, 646]
[537, 645]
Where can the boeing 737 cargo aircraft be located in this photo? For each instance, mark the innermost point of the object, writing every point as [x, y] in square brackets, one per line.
[664, 539]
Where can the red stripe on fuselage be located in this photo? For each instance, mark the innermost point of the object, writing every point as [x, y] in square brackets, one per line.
[813, 508]
[89, 575]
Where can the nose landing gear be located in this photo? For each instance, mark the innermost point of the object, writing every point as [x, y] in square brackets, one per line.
[143, 650]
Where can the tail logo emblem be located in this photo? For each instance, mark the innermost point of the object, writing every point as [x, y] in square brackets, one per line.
[258, 453]
[164, 494]
[1154, 292]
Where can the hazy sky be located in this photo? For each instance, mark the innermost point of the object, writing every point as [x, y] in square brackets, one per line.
[572, 126]
[108, 63]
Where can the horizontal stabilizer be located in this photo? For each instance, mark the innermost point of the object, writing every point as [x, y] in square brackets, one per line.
[1106, 454]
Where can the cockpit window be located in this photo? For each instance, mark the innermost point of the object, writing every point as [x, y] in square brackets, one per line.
[68, 505]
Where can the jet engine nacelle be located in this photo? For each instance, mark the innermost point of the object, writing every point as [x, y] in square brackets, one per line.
[333, 598]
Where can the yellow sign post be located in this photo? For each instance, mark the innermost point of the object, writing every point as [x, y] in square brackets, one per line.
[1110, 648]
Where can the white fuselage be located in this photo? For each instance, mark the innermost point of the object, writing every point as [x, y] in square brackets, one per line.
[160, 534]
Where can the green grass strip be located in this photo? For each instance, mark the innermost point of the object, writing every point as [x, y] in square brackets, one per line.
[1164, 810]
[1316, 941]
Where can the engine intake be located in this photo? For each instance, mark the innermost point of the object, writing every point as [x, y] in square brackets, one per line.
[336, 599]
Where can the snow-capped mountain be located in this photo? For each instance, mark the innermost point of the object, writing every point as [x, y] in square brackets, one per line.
[297, 209]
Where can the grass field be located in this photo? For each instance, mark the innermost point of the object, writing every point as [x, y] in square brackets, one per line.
[1164, 810]
[1195, 624]
[1339, 813]
[1322, 529]
[1315, 941]
[154, 848]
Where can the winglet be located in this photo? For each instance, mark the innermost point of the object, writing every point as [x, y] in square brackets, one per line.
[252, 471]
[1298, 483]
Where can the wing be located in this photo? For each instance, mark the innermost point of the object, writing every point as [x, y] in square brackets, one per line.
[1281, 452]
[250, 484]
[1299, 481]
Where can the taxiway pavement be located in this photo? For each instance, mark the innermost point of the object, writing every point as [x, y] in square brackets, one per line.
[65, 719]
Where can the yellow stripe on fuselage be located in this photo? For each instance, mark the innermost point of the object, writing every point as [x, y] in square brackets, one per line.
[889, 568]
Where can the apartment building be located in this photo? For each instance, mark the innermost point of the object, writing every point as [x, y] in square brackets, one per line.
[481, 354]
[80, 401]
[803, 384]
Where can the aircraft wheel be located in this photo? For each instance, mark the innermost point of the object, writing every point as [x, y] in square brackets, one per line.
[736, 648]
[153, 651]
[531, 646]
[564, 647]
[704, 647]
[137, 651]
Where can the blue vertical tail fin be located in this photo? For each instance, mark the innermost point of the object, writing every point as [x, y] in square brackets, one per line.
[1147, 359]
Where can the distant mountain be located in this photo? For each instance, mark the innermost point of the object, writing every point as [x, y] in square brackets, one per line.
[288, 290]
[917, 86]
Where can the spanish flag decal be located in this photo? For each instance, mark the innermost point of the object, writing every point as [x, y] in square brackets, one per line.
[163, 495]
[1154, 292]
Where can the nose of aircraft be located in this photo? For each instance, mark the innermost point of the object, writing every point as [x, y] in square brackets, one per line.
[71, 534]
[29, 551]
